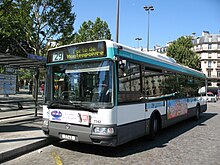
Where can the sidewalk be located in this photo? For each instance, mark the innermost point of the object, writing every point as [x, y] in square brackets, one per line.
[20, 130]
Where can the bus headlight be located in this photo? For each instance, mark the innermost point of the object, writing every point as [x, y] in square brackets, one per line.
[103, 130]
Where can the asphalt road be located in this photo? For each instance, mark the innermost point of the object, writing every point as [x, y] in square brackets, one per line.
[189, 142]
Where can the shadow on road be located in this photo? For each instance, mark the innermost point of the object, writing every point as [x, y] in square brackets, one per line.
[141, 144]
[33, 123]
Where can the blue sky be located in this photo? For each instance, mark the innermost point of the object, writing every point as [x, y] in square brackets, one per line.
[169, 20]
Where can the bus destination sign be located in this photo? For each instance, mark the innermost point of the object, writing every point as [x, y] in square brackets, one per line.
[81, 51]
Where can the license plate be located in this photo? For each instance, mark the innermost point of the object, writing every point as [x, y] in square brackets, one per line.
[67, 137]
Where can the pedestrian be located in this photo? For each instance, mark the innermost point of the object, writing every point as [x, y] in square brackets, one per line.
[30, 87]
[42, 89]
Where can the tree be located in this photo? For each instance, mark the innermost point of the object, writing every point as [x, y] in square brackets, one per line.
[90, 31]
[53, 20]
[14, 25]
[181, 51]
[29, 24]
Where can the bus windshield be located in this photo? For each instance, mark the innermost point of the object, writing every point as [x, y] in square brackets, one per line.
[87, 85]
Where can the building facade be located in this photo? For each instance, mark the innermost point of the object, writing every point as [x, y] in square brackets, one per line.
[208, 48]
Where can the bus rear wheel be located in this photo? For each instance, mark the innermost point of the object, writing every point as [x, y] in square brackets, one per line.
[197, 116]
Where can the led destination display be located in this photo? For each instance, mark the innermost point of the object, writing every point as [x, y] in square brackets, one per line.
[81, 51]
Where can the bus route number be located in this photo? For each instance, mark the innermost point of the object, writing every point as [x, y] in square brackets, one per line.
[58, 56]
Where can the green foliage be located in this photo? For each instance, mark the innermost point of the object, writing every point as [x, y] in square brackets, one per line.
[52, 20]
[181, 51]
[25, 74]
[1, 69]
[27, 25]
[90, 31]
[14, 25]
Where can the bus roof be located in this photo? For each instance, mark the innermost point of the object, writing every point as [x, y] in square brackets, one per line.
[151, 57]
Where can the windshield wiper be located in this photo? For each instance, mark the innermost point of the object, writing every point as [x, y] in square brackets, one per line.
[90, 109]
[55, 103]
[79, 105]
[70, 105]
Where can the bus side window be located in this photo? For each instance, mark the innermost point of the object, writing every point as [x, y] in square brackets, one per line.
[128, 81]
[153, 82]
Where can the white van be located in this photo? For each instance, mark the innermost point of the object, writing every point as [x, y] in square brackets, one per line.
[211, 97]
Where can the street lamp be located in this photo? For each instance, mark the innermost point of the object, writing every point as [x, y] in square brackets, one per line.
[138, 39]
[148, 9]
[117, 20]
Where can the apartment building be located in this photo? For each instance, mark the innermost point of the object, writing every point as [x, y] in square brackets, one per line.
[208, 47]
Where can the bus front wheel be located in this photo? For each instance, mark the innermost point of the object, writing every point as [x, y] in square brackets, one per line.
[154, 126]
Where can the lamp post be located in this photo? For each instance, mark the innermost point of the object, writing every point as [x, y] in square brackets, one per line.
[148, 9]
[117, 20]
[138, 39]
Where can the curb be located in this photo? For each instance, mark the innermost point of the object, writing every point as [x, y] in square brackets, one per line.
[8, 155]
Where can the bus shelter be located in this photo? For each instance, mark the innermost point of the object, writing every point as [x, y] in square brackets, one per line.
[8, 80]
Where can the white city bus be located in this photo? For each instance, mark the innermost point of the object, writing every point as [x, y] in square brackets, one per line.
[105, 93]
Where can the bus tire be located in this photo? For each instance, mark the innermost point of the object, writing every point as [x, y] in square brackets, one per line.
[154, 126]
[197, 116]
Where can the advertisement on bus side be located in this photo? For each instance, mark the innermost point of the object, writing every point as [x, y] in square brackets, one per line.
[176, 108]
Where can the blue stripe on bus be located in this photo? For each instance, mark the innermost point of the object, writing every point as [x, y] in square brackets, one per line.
[148, 60]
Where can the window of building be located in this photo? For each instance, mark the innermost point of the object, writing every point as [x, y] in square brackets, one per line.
[218, 73]
[218, 55]
[218, 46]
[200, 47]
[209, 46]
[218, 64]
[209, 55]
[209, 64]
[209, 73]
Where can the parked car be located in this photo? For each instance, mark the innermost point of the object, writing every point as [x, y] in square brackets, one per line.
[211, 97]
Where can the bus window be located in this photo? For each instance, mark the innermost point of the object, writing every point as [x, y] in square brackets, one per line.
[129, 82]
[152, 82]
[87, 83]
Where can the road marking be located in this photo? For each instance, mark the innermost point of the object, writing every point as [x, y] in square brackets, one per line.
[57, 158]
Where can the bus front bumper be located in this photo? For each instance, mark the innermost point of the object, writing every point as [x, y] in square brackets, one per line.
[81, 134]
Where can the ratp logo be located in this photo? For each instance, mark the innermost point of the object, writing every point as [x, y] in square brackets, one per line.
[56, 115]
